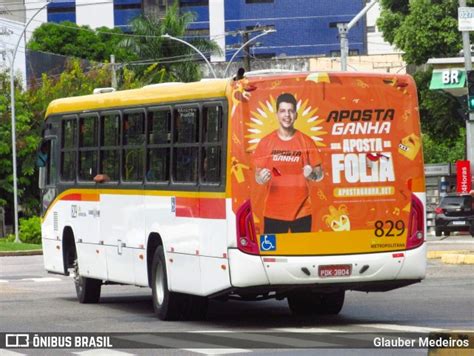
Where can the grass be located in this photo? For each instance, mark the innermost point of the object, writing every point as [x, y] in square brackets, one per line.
[6, 246]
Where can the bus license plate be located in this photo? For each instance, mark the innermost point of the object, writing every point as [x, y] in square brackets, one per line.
[335, 271]
[459, 223]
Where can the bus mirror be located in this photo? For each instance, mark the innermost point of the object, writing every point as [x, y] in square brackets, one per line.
[42, 177]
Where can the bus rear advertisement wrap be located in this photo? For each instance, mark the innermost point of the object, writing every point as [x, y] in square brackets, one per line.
[330, 163]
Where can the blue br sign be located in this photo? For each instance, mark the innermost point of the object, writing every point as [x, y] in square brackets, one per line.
[267, 243]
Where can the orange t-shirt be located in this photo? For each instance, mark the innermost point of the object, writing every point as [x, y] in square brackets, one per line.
[287, 196]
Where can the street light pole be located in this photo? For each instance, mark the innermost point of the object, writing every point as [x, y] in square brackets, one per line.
[194, 48]
[13, 118]
[266, 32]
[470, 122]
[344, 29]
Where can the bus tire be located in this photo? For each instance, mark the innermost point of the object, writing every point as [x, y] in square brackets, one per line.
[307, 303]
[195, 308]
[87, 289]
[167, 305]
[447, 233]
[438, 232]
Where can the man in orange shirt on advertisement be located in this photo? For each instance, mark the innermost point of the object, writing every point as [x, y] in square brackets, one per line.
[285, 160]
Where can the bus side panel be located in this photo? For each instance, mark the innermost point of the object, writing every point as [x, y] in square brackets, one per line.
[173, 221]
[122, 227]
[51, 241]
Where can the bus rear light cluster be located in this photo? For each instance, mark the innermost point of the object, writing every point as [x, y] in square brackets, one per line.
[416, 224]
[246, 236]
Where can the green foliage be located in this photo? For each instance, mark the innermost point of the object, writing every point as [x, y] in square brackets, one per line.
[439, 113]
[75, 81]
[30, 230]
[8, 245]
[449, 151]
[174, 61]
[27, 140]
[424, 30]
[70, 39]
[30, 110]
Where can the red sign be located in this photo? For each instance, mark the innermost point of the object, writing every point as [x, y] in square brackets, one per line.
[463, 170]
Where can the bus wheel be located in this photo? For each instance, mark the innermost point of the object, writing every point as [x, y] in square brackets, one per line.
[438, 232]
[167, 305]
[195, 308]
[308, 303]
[87, 289]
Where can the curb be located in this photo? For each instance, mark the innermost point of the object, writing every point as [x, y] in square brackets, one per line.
[21, 253]
[458, 259]
[453, 257]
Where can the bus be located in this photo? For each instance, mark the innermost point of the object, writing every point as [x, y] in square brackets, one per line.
[267, 185]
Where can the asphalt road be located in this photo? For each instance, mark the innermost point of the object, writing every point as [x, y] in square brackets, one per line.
[33, 301]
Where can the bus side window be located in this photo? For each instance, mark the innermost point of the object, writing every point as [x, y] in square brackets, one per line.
[133, 140]
[109, 164]
[212, 144]
[186, 124]
[68, 149]
[159, 127]
[46, 162]
[185, 164]
[186, 142]
[88, 139]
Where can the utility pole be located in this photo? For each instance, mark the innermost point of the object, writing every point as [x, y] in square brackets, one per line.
[13, 120]
[246, 59]
[470, 122]
[246, 44]
[114, 73]
[344, 29]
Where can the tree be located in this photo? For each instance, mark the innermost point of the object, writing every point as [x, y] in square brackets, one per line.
[30, 109]
[27, 140]
[422, 29]
[439, 111]
[425, 29]
[171, 60]
[69, 39]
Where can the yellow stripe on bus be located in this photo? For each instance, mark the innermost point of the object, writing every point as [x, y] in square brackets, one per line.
[329, 243]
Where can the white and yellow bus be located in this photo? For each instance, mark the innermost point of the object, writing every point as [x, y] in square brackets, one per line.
[297, 186]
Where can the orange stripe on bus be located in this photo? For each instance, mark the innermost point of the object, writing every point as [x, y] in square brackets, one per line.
[200, 208]
[81, 197]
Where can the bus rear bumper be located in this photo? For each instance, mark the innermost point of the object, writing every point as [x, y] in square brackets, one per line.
[248, 270]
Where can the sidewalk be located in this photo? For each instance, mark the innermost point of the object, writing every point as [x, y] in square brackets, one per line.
[455, 249]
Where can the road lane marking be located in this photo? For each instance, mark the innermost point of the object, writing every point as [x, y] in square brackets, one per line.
[101, 352]
[308, 330]
[396, 327]
[5, 352]
[42, 279]
[217, 351]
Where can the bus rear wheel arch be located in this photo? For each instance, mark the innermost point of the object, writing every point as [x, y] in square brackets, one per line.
[172, 305]
[87, 289]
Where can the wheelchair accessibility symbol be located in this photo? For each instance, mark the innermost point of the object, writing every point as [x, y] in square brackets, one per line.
[267, 242]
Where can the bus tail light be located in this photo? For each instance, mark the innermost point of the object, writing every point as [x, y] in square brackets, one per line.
[246, 236]
[416, 224]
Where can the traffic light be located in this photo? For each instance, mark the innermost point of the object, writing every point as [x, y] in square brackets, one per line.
[470, 90]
